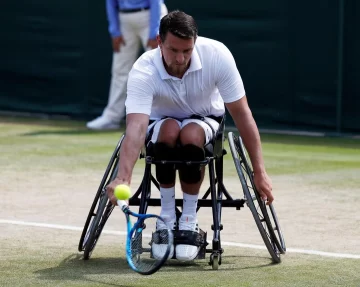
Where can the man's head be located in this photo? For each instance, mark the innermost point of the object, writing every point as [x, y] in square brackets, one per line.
[177, 36]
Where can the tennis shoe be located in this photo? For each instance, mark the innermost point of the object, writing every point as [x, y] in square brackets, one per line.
[159, 250]
[102, 123]
[187, 252]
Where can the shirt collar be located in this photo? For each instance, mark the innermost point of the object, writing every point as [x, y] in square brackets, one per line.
[194, 65]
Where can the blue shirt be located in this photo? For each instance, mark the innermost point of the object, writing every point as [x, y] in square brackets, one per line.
[113, 7]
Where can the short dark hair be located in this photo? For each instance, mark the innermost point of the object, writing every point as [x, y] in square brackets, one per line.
[179, 24]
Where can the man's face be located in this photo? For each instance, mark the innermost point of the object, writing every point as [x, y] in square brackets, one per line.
[176, 53]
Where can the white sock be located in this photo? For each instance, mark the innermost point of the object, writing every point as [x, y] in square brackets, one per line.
[190, 204]
[167, 201]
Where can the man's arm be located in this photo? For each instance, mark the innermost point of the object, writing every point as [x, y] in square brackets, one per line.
[155, 17]
[112, 11]
[136, 127]
[113, 18]
[245, 123]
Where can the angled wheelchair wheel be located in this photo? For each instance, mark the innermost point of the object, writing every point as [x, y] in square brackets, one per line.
[264, 215]
[101, 208]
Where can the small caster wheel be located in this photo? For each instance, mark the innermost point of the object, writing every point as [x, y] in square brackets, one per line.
[214, 261]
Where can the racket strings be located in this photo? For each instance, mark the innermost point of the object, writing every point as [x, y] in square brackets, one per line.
[142, 241]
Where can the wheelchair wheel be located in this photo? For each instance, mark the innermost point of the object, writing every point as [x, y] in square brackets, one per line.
[101, 208]
[264, 215]
[215, 261]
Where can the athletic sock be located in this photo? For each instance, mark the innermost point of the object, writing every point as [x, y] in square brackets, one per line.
[167, 201]
[190, 204]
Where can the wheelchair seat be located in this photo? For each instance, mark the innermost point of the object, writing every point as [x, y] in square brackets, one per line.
[212, 148]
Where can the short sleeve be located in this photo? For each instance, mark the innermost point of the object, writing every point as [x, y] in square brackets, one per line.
[228, 79]
[139, 93]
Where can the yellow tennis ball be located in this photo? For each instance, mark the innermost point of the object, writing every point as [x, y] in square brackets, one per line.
[122, 192]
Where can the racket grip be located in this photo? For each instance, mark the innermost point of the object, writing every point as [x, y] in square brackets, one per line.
[122, 204]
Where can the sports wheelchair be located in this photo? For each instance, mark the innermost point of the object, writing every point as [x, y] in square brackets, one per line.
[215, 197]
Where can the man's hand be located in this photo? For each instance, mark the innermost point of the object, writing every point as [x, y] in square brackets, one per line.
[111, 187]
[117, 42]
[152, 43]
[249, 132]
[263, 185]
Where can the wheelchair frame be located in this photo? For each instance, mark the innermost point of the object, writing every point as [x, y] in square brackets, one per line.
[264, 215]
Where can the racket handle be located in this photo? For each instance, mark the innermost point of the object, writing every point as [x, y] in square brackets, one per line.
[122, 204]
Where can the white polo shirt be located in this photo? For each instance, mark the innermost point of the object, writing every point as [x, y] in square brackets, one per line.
[211, 80]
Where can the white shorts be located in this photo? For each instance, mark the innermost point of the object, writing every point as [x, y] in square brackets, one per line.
[205, 125]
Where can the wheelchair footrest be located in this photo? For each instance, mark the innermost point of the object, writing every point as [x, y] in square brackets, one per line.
[202, 251]
[188, 237]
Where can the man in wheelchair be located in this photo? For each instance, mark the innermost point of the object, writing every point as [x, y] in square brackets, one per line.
[183, 87]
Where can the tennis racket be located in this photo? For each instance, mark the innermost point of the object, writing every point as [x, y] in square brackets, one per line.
[140, 238]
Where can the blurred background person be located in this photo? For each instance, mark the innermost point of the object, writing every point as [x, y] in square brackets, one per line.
[133, 24]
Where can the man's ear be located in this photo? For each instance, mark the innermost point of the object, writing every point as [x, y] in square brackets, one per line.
[158, 39]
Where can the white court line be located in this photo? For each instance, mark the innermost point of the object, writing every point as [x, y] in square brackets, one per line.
[291, 250]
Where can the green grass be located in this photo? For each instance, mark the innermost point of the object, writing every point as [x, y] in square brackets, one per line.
[56, 263]
[67, 142]
[44, 257]
[296, 154]
[55, 142]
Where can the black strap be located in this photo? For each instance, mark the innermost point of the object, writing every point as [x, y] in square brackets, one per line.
[188, 237]
[160, 237]
[218, 119]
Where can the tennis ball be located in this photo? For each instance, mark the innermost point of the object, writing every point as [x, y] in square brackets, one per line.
[122, 192]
